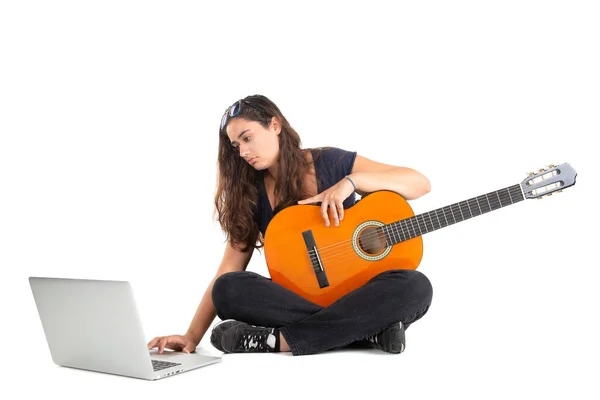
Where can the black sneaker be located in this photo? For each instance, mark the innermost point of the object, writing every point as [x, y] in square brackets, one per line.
[231, 336]
[391, 340]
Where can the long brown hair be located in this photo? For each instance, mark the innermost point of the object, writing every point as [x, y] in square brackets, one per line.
[236, 198]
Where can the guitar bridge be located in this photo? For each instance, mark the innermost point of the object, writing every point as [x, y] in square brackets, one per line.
[315, 259]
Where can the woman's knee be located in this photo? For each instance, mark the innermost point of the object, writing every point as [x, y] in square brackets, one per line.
[228, 288]
[422, 285]
[410, 282]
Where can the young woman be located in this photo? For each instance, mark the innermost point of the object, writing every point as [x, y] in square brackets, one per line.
[263, 169]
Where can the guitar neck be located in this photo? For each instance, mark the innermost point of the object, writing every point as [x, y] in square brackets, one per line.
[421, 224]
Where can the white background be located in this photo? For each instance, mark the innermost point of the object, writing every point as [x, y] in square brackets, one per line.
[109, 115]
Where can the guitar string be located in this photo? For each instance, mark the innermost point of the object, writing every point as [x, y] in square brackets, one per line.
[393, 230]
[451, 211]
[370, 238]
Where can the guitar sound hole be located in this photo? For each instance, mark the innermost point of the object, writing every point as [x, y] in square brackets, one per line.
[372, 240]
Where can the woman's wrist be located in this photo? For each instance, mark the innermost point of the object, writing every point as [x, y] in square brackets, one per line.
[348, 177]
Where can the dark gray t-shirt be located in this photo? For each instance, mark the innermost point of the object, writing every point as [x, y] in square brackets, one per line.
[332, 164]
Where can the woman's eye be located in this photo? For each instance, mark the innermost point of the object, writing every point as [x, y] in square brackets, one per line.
[247, 139]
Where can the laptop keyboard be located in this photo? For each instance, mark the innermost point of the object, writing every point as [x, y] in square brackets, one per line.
[158, 365]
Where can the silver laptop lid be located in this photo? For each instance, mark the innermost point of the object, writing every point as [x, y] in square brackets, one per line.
[93, 325]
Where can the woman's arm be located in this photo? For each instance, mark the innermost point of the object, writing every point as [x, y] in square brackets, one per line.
[233, 260]
[369, 176]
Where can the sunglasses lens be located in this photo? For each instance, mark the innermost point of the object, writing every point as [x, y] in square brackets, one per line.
[223, 120]
[234, 110]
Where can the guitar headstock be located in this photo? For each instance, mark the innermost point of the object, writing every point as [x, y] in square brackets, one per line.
[546, 181]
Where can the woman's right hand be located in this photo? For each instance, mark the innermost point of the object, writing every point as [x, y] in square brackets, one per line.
[174, 342]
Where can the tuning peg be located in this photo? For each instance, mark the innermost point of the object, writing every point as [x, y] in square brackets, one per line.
[551, 166]
[541, 170]
[549, 194]
[559, 191]
[530, 174]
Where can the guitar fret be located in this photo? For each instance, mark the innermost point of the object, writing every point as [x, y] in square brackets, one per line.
[439, 220]
[463, 210]
[424, 224]
[455, 207]
[444, 212]
[495, 205]
[473, 207]
[432, 227]
[406, 225]
[517, 193]
[432, 223]
[483, 209]
[401, 231]
[488, 200]
[451, 213]
[391, 230]
[405, 233]
[412, 223]
[386, 230]
[418, 225]
[505, 198]
[397, 232]
[413, 227]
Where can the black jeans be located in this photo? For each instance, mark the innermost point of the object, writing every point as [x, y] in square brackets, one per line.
[390, 297]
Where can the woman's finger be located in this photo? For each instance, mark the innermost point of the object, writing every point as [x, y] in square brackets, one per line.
[340, 209]
[324, 211]
[333, 209]
[162, 344]
[153, 342]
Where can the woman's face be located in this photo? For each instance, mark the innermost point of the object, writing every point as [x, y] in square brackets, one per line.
[258, 145]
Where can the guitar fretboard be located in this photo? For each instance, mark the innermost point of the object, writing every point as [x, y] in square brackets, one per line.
[421, 224]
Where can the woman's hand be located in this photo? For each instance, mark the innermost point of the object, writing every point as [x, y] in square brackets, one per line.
[332, 201]
[174, 342]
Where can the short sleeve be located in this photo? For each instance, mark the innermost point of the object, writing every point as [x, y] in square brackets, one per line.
[332, 165]
[337, 163]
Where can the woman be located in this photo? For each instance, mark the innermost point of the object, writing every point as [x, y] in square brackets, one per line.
[263, 169]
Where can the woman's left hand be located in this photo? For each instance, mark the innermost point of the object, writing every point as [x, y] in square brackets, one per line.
[332, 200]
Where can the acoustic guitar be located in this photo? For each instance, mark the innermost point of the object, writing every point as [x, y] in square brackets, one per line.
[379, 233]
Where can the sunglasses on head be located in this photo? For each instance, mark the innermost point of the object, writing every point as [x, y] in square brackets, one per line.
[235, 109]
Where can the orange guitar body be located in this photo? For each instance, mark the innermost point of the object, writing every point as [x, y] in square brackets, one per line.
[349, 254]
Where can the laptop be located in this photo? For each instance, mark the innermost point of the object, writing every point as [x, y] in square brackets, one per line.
[94, 325]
